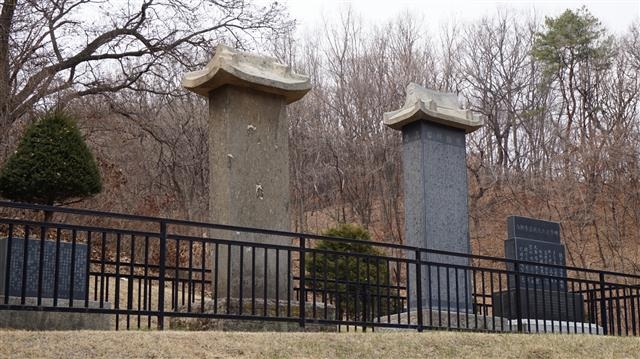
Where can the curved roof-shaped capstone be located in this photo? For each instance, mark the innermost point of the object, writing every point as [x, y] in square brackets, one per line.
[440, 107]
[262, 73]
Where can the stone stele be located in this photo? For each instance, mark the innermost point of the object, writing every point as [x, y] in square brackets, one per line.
[433, 126]
[248, 165]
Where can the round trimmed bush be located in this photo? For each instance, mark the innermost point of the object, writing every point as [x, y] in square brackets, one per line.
[52, 164]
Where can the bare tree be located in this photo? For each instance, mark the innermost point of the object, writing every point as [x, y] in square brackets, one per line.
[54, 50]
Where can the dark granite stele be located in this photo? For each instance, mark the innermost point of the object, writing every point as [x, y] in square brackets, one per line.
[543, 289]
[65, 274]
[436, 213]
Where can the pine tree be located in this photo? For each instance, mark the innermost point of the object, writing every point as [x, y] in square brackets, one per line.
[575, 49]
[52, 164]
[357, 281]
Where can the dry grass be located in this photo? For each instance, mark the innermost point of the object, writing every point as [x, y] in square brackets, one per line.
[136, 304]
[171, 344]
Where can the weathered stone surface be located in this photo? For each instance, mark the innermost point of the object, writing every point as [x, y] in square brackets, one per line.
[249, 165]
[249, 185]
[274, 309]
[43, 320]
[434, 106]
[242, 69]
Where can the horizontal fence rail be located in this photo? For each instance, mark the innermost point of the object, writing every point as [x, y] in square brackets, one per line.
[134, 272]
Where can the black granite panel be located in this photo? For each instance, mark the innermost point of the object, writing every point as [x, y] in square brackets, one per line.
[523, 227]
[537, 251]
[65, 270]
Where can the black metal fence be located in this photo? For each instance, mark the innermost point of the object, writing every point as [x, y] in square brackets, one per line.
[147, 272]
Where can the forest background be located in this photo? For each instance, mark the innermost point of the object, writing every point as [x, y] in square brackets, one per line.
[560, 98]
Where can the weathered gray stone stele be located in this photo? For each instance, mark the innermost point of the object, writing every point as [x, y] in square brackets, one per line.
[435, 190]
[248, 165]
[71, 268]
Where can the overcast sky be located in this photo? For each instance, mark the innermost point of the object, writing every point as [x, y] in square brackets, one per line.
[616, 15]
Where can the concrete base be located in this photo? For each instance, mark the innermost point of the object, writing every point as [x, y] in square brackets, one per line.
[244, 325]
[44, 320]
[447, 320]
[556, 326]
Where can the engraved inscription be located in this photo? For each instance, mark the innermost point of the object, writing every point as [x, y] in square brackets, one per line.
[446, 135]
[31, 270]
[523, 227]
[545, 253]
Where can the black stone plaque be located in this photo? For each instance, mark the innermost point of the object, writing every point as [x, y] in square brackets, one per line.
[523, 227]
[541, 252]
[542, 289]
[52, 253]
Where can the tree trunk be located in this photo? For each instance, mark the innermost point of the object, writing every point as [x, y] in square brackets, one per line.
[48, 215]
[6, 18]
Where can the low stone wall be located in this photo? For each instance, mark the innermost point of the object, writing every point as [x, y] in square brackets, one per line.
[184, 323]
[45, 320]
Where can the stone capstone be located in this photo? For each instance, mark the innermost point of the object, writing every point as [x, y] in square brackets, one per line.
[242, 69]
[439, 107]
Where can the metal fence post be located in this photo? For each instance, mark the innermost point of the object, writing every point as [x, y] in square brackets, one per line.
[161, 266]
[365, 297]
[603, 305]
[419, 290]
[516, 267]
[303, 292]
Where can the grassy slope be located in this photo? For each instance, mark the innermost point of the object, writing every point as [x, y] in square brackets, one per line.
[169, 344]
